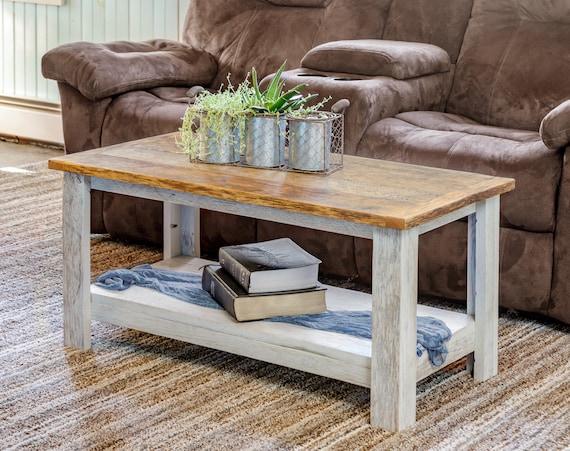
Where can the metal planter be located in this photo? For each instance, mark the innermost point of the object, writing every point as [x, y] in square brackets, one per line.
[316, 142]
[220, 144]
[264, 141]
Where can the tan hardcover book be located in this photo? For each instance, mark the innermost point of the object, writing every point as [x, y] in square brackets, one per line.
[270, 266]
[245, 306]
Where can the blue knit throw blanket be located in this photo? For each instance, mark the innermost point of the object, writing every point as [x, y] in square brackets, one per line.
[432, 333]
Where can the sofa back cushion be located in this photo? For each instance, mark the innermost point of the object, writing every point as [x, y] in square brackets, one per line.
[264, 33]
[438, 22]
[514, 64]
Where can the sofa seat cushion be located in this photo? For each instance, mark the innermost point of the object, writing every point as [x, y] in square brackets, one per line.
[454, 142]
[135, 115]
[144, 113]
[373, 57]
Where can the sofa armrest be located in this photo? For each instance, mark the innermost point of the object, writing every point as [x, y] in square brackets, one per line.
[555, 127]
[103, 70]
[375, 57]
[372, 98]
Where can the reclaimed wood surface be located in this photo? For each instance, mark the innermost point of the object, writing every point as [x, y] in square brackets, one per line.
[367, 191]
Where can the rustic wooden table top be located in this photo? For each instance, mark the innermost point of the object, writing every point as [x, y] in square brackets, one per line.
[367, 191]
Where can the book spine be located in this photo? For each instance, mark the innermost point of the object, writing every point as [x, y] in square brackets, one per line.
[218, 290]
[239, 272]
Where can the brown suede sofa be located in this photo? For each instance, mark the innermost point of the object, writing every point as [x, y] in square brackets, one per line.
[475, 85]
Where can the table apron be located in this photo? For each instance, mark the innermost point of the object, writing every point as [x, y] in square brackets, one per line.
[262, 212]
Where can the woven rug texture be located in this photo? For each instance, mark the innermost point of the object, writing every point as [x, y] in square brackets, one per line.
[135, 391]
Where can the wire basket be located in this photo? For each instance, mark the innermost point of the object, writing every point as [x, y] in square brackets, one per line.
[315, 143]
[312, 143]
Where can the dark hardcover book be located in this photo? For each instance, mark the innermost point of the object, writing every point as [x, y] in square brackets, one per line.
[270, 266]
[245, 306]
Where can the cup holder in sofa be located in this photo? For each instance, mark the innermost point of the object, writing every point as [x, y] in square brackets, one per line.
[347, 79]
[308, 74]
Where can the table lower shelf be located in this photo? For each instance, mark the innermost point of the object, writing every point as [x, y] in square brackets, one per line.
[329, 354]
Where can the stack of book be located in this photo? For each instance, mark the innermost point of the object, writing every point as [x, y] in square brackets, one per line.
[262, 280]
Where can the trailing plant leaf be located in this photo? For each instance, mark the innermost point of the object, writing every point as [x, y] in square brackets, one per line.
[207, 122]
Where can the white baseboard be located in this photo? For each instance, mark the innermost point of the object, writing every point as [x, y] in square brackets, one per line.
[31, 121]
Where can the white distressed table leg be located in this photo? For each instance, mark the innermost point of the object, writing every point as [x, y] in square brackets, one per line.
[171, 230]
[181, 230]
[483, 287]
[190, 219]
[394, 307]
[76, 261]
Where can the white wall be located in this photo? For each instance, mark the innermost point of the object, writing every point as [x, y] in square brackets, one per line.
[29, 104]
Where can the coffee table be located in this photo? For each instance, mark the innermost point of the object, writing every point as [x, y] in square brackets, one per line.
[390, 203]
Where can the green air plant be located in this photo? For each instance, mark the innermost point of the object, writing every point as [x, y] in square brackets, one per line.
[266, 121]
[273, 100]
[212, 127]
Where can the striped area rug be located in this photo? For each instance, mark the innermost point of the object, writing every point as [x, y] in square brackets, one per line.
[135, 391]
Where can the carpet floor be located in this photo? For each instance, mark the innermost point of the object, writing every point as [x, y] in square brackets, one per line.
[135, 391]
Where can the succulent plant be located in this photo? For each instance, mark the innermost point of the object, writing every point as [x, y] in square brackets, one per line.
[273, 100]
